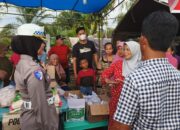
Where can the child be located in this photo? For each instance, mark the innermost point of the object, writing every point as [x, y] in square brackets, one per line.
[107, 59]
[86, 78]
[56, 73]
[105, 62]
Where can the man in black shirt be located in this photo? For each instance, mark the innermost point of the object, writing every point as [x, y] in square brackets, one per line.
[83, 49]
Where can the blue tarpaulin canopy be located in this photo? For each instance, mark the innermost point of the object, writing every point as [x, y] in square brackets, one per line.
[84, 6]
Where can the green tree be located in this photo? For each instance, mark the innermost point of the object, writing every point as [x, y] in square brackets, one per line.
[6, 34]
[98, 19]
[109, 32]
[124, 8]
[67, 21]
[29, 15]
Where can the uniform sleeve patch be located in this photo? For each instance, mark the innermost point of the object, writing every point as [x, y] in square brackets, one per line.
[38, 74]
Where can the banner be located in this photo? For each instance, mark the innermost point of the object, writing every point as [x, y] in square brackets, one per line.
[174, 6]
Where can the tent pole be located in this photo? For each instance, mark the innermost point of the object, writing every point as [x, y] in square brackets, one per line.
[99, 34]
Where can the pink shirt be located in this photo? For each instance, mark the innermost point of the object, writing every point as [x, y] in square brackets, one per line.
[172, 60]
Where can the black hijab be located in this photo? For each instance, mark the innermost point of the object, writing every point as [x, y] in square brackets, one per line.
[28, 45]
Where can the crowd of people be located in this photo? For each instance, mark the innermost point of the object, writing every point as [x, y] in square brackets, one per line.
[142, 77]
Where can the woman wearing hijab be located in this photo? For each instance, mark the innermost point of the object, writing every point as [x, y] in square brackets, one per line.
[120, 52]
[114, 75]
[56, 73]
[172, 60]
[38, 110]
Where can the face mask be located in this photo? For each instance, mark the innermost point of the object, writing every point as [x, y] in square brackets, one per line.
[82, 37]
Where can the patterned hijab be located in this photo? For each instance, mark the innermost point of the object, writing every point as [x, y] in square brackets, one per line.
[131, 64]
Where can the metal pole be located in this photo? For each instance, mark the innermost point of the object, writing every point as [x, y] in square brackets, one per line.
[48, 46]
[99, 35]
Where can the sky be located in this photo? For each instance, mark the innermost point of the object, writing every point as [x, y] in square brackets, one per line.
[7, 18]
[113, 14]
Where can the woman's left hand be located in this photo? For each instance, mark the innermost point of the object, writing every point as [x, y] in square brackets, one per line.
[3, 74]
[119, 81]
[109, 81]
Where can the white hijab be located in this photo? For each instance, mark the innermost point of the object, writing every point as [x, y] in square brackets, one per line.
[131, 64]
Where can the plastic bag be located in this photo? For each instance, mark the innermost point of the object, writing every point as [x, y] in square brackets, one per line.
[92, 99]
[16, 104]
[7, 95]
[57, 102]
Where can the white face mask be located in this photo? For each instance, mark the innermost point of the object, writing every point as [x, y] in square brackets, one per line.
[82, 37]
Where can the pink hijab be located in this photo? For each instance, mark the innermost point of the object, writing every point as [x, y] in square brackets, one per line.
[172, 60]
[117, 57]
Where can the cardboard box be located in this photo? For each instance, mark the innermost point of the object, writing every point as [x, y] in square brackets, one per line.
[11, 122]
[51, 73]
[98, 112]
[104, 98]
[76, 110]
[75, 114]
[76, 92]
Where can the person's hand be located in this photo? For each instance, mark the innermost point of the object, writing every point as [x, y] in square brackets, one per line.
[75, 76]
[43, 65]
[3, 74]
[109, 81]
[46, 67]
[103, 91]
[99, 72]
[99, 67]
[66, 94]
[119, 81]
